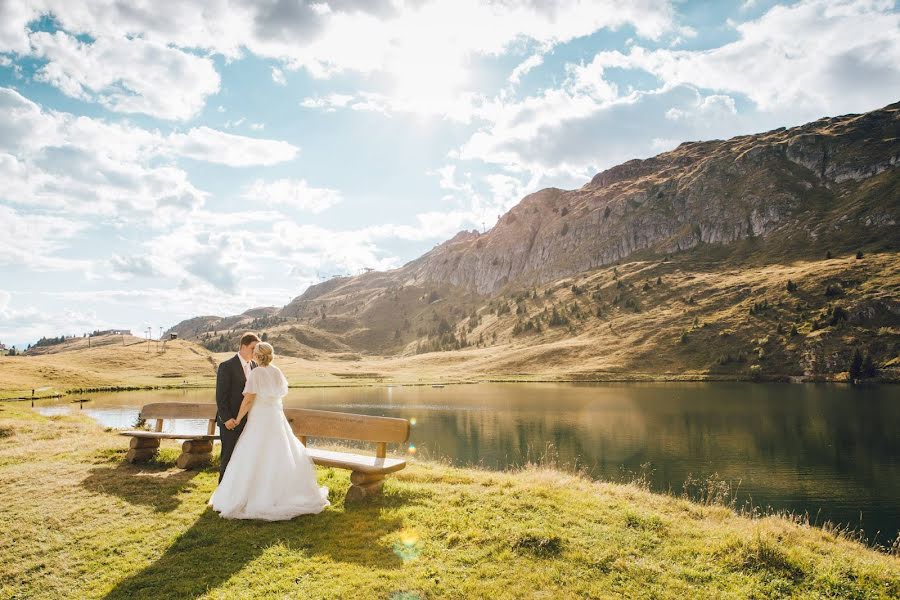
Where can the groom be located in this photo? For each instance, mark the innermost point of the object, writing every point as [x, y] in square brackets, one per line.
[230, 380]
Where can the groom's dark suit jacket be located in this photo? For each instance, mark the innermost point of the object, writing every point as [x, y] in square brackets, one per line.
[230, 381]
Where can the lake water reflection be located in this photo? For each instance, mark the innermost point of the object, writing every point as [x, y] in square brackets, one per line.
[828, 450]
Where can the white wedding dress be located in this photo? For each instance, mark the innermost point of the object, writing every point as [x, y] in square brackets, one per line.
[270, 475]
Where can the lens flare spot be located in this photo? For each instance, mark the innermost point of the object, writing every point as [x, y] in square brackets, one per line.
[409, 537]
[412, 449]
[412, 422]
[408, 548]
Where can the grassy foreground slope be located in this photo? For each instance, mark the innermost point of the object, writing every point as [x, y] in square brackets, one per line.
[89, 525]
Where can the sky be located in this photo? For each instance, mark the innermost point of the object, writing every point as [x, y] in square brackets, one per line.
[161, 161]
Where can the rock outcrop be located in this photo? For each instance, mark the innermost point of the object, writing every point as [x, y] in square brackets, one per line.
[790, 183]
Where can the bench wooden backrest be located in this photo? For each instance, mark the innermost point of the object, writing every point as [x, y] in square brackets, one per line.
[178, 410]
[304, 421]
[162, 411]
[346, 426]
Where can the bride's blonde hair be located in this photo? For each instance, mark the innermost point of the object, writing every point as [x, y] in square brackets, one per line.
[264, 353]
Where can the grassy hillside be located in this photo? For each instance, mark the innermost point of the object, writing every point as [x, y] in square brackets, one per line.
[89, 525]
[108, 363]
[691, 315]
[678, 318]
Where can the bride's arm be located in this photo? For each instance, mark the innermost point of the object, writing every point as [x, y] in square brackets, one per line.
[246, 403]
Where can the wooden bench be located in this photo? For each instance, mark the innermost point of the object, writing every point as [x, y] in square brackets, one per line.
[367, 473]
[196, 449]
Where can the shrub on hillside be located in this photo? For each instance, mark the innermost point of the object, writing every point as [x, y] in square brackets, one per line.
[833, 290]
[856, 362]
[838, 314]
[868, 366]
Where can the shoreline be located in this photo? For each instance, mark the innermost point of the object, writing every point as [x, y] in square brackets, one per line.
[788, 379]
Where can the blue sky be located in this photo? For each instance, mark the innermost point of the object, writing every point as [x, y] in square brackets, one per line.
[227, 154]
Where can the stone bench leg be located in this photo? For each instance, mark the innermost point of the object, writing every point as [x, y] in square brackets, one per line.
[141, 449]
[194, 453]
[364, 485]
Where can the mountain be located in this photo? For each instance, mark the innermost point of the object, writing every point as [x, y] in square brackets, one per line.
[805, 188]
[569, 266]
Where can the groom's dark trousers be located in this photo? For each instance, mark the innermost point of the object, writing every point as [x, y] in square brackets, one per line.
[230, 382]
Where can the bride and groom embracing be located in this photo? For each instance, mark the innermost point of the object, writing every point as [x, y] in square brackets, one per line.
[265, 471]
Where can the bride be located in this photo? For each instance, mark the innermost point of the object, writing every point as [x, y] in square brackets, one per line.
[270, 475]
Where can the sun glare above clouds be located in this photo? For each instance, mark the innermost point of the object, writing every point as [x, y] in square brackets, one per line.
[225, 154]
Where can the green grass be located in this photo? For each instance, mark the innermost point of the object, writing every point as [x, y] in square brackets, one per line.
[85, 524]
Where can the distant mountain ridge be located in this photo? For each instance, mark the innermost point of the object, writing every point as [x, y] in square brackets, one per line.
[785, 195]
[787, 182]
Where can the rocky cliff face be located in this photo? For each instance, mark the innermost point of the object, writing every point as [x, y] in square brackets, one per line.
[786, 183]
[750, 201]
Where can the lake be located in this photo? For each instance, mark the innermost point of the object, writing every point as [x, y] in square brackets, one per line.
[832, 451]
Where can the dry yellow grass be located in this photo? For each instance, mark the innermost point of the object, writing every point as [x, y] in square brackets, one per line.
[107, 364]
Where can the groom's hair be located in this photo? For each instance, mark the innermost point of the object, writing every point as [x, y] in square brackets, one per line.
[248, 338]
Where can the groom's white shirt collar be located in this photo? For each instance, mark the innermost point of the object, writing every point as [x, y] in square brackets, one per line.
[244, 363]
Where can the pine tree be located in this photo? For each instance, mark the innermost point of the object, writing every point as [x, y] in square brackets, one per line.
[868, 366]
[856, 365]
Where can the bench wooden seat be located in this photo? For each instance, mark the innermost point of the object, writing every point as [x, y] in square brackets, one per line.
[159, 435]
[356, 462]
[367, 472]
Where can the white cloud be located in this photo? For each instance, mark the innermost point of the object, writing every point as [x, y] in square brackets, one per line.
[84, 166]
[423, 49]
[330, 102]
[447, 175]
[54, 160]
[35, 240]
[14, 17]
[278, 76]
[660, 145]
[234, 255]
[293, 193]
[128, 75]
[316, 33]
[532, 62]
[570, 136]
[210, 145]
[30, 323]
[794, 64]
[127, 266]
[813, 58]
[522, 132]
[716, 105]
